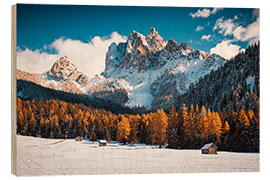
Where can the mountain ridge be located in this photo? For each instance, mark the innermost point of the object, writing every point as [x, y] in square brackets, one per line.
[143, 71]
[143, 68]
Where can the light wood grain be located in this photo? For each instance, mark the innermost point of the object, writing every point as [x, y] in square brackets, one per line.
[13, 90]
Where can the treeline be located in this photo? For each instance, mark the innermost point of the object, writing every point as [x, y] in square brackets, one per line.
[187, 128]
[29, 90]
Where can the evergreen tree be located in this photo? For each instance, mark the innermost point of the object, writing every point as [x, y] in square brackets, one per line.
[183, 122]
[172, 133]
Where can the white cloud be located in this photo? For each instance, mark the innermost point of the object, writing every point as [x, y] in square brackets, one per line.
[237, 32]
[225, 27]
[88, 57]
[205, 37]
[35, 61]
[250, 33]
[214, 11]
[199, 28]
[201, 13]
[204, 13]
[226, 49]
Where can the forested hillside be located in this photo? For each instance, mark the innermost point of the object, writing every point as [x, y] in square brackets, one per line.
[29, 90]
[233, 86]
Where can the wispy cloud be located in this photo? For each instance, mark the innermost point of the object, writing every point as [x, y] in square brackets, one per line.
[204, 13]
[215, 10]
[200, 28]
[191, 41]
[225, 27]
[205, 37]
[89, 57]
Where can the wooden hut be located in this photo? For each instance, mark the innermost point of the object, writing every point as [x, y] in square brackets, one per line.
[102, 143]
[210, 148]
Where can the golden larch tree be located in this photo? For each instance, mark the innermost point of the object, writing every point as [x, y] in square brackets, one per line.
[218, 126]
[159, 127]
[123, 129]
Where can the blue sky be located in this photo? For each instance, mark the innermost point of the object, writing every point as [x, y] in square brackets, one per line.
[40, 26]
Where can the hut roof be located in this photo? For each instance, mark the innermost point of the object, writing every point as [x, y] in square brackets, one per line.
[206, 146]
[102, 141]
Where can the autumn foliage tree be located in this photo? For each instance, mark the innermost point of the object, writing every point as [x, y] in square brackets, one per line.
[123, 130]
[159, 127]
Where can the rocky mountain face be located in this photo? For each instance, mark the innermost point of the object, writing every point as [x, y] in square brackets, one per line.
[139, 52]
[65, 76]
[64, 70]
[143, 71]
[157, 71]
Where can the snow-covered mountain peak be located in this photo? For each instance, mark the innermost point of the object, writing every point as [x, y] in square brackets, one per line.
[157, 71]
[139, 52]
[64, 75]
[155, 41]
[152, 42]
[172, 46]
[134, 36]
[153, 31]
[63, 63]
[186, 47]
[62, 69]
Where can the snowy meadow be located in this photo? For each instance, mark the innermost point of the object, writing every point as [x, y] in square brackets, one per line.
[39, 156]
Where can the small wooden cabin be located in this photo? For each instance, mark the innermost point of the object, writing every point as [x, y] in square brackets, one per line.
[79, 138]
[102, 143]
[210, 148]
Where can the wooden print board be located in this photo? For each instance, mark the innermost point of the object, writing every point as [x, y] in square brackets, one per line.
[134, 90]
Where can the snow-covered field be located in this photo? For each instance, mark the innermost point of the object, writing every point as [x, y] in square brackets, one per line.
[37, 156]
